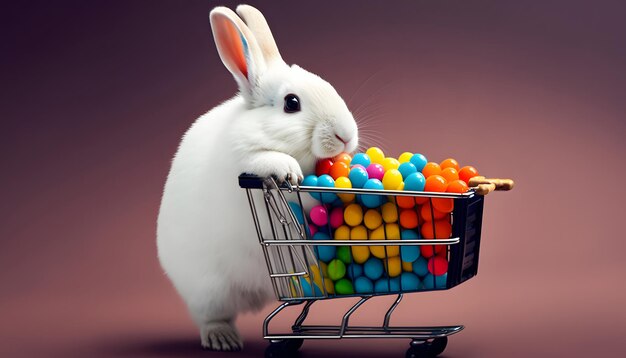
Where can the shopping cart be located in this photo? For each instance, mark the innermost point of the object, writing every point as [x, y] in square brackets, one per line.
[296, 270]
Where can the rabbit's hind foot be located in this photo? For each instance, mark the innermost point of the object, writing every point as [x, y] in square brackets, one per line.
[220, 336]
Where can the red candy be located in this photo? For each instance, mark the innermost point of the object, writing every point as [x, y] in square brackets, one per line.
[438, 265]
[323, 166]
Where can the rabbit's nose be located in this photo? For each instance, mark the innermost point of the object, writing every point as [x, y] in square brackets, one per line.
[341, 139]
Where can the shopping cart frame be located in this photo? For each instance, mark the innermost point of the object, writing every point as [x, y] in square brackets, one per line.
[426, 341]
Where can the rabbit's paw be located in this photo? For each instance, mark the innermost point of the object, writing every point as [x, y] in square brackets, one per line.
[288, 169]
[220, 336]
[280, 165]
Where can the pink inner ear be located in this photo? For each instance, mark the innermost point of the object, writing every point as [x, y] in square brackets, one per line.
[229, 37]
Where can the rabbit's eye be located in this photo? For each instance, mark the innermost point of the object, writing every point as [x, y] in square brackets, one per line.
[292, 103]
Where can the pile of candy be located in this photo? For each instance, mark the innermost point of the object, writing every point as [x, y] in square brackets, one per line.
[345, 270]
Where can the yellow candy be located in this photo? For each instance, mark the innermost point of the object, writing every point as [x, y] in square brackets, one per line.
[353, 215]
[360, 254]
[390, 212]
[372, 219]
[393, 266]
[376, 155]
[314, 271]
[392, 232]
[343, 182]
[392, 179]
[407, 266]
[330, 286]
[342, 233]
[405, 157]
[390, 163]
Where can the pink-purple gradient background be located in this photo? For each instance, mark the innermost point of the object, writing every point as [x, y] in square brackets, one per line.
[96, 95]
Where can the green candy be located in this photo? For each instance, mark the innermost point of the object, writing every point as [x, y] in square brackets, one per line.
[343, 254]
[344, 287]
[336, 269]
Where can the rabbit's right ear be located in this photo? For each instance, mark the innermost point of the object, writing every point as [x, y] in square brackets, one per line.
[237, 48]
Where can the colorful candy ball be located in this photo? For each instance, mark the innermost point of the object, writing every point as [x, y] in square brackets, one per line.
[362, 159]
[363, 284]
[323, 166]
[375, 154]
[344, 287]
[336, 269]
[431, 282]
[373, 268]
[311, 180]
[358, 176]
[437, 265]
[326, 181]
[466, 173]
[419, 161]
[375, 171]
[372, 200]
[409, 281]
[319, 215]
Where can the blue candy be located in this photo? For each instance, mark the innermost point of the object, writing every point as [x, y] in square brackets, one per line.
[373, 268]
[409, 253]
[409, 281]
[387, 285]
[431, 282]
[361, 158]
[324, 253]
[326, 181]
[406, 169]
[363, 285]
[415, 182]
[297, 211]
[358, 176]
[307, 290]
[369, 200]
[311, 180]
[419, 161]
[420, 266]
[354, 270]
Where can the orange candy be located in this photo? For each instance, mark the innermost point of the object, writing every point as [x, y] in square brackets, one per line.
[441, 228]
[431, 168]
[427, 215]
[343, 157]
[450, 163]
[339, 169]
[408, 219]
[467, 172]
[450, 174]
[457, 186]
[445, 205]
[436, 183]
[405, 202]
[430, 251]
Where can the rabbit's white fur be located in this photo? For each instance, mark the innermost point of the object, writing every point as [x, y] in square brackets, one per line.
[207, 243]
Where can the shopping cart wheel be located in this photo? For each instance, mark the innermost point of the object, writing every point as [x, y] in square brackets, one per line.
[283, 348]
[431, 349]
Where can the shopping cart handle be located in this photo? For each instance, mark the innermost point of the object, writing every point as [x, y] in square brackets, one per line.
[250, 181]
[484, 186]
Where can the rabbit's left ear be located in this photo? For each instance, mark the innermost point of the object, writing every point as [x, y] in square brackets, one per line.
[258, 25]
[237, 48]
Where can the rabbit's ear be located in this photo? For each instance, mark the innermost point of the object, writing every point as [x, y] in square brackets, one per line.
[261, 30]
[237, 48]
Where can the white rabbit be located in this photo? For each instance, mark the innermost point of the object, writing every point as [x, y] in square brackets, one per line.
[282, 120]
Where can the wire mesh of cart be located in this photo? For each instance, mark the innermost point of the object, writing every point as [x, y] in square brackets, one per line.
[429, 251]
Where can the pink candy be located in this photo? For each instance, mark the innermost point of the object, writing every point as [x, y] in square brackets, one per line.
[336, 217]
[319, 215]
[375, 171]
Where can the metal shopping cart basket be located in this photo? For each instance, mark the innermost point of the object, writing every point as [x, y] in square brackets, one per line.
[299, 274]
